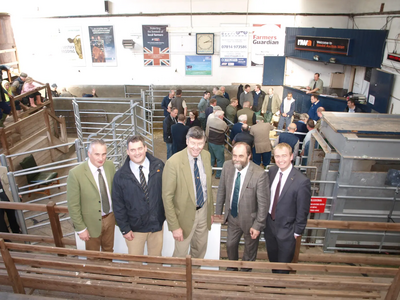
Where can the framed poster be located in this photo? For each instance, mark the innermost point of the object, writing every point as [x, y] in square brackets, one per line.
[198, 65]
[71, 48]
[102, 46]
[234, 48]
[155, 45]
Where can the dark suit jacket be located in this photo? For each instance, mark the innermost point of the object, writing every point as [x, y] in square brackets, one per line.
[237, 128]
[254, 196]
[293, 204]
[167, 123]
[178, 133]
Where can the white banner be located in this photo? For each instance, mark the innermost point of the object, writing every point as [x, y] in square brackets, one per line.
[267, 40]
[234, 48]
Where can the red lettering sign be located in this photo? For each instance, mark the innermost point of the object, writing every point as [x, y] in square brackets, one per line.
[317, 205]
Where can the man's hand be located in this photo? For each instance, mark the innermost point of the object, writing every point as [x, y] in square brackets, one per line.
[284, 115]
[212, 219]
[308, 88]
[296, 236]
[178, 235]
[84, 236]
[169, 109]
[129, 236]
[254, 233]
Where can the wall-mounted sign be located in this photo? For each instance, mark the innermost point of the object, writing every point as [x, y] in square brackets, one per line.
[156, 45]
[395, 57]
[234, 49]
[198, 65]
[323, 44]
[317, 205]
[266, 40]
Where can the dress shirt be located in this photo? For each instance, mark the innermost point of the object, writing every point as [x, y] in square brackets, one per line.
[275, 183]
[242, 177]
[202, 173]
[308, 137]
[352, 110]
[95, 173]
[146, 169]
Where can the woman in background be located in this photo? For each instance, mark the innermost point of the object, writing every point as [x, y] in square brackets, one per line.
[193, 119]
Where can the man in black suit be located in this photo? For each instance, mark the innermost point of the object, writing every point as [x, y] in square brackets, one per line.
[167, 124]
[288, 211]
[178, 132]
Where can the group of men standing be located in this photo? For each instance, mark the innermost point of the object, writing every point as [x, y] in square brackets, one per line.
[141, 195]
[144, 193]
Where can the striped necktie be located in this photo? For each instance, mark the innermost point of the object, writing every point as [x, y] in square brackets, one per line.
[143, 183]
[103, 194]
[199, 188]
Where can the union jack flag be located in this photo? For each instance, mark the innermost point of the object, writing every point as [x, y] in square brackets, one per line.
[155, 57]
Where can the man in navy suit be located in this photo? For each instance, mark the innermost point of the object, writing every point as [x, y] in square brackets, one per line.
[178, 132]
[288, 211]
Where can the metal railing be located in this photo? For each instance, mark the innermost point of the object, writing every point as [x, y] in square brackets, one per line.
[26, 189]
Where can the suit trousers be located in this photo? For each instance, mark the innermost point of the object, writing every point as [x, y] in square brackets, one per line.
[267, 117]
[279, 250]
[105, 241]
[235, 232]
[217, 153]
[154, 243]
[197, 239]
[266, 157]
[283, 120]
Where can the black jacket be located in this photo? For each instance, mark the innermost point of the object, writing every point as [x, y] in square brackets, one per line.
[261, 98]
[168, 122]
[131, 209]
[178, 132]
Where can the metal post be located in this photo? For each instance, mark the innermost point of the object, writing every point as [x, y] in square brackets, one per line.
[78, 124]
[143, 95]
[114, 138]
[3, 161]
[16, 198]
[78, 150]
[132, 115]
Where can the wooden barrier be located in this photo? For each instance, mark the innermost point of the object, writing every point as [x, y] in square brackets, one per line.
[325, 275]
[39, 267]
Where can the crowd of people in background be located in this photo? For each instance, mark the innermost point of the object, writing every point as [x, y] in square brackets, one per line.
[250, 117]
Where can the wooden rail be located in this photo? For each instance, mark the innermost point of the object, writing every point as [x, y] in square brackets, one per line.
[60, 269]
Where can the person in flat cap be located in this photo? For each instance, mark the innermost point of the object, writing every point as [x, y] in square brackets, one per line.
[54, 92]
[17, 84]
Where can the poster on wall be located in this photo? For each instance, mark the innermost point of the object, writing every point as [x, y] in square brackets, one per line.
[198, 65]
[70, 46]
[234, 48]
[102, 46]
[155, 45]
[267, 40]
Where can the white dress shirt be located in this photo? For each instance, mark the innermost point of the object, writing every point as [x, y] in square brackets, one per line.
[275, 183]
[242, 177]
[95, 173]
[146, 169]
